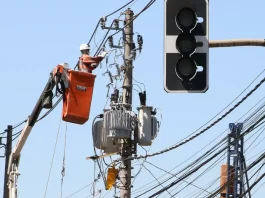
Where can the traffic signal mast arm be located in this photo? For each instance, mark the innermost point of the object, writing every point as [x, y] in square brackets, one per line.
[45, 101]
[237, 43]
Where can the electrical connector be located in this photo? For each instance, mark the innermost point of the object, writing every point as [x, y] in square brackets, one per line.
[102, 22]
[142, 96]
[116, 23]
[140, 42]
[110, 39]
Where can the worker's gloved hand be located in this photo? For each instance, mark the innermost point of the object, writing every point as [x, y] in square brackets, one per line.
[103, 54]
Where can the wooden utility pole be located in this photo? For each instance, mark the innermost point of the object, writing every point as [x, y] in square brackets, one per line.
[7, 155]
[125, 168]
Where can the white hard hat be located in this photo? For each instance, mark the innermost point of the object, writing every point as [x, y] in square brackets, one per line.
[84, 46]
[65, 65]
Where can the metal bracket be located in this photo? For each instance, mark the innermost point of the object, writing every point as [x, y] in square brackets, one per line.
[94, 157]
[117, 46]
[112, 28]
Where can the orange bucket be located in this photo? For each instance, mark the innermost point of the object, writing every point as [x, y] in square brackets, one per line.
[78, 97]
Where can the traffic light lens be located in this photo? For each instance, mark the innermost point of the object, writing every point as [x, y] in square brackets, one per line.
[186, 44]
[186, 19]
[186, 67]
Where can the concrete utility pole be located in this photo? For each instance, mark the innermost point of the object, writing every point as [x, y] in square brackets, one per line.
[7, 154]
[125, 172]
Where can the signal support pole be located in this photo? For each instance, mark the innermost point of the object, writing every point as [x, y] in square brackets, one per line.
[125, 172]
[7, 155]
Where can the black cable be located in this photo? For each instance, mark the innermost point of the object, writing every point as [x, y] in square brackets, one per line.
[94, 32]
[251, 128]
[253, 185]
[245, 126]
[230, 175]
[207, 128]
[253, 164]
[101, 172]
[156, 179]
[177, 177]
[203, 173]
[137, 15]
[17, 125]
[17, 133]
[120, 8]
[79, 190]
[188, 174]
[200, 175]
[50, 110]
[192, 164]
[185, 174]
[101, 44]
[244, 164]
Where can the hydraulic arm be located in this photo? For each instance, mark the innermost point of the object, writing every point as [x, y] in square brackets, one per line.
[76, 88]
[44, 101]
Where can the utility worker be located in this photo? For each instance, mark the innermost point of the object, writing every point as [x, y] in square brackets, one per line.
[86, 62]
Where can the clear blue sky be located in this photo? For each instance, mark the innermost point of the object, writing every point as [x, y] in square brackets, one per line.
[37, 35]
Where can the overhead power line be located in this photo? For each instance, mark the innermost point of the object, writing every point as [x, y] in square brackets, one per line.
[136, 16]
[255, 115]
[94, 32]
[205, 129]
[249, 127]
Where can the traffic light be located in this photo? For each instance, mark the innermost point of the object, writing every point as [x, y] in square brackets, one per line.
[186, 46]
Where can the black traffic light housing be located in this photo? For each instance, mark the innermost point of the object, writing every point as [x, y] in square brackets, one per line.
[186, 47]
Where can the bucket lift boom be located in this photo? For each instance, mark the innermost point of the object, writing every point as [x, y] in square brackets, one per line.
[76, 88]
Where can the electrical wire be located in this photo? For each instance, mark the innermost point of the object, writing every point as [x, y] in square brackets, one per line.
[121, 7]
[203, 173]
[187, 174]
[253, 164]
[205, 129]
[17, 125]
[17, 135]
[103, 39]
[190, 165]
[63, 165]
[258, 188]
[101, 44]
[101, 172]
[251, 128]
[246, 121]
[210, 151]
[50, 110]
[144, 9]
[139, 83]
[156, 179]
[176, 176]
[253, 185]
[52, 159]
[94, 32]
[79, 190]
[215, 180]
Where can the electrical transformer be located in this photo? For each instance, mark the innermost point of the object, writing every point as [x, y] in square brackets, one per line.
[147, 126]
[119, 123]
[97, 134]
[101, 141]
